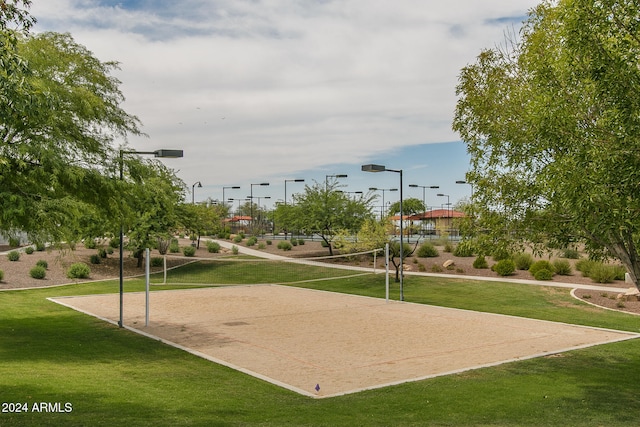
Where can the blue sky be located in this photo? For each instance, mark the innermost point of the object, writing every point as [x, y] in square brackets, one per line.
[267, 90]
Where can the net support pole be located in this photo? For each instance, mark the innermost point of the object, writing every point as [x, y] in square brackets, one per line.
[386, 267]
[146, 279]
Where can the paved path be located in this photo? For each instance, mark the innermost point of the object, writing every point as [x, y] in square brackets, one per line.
[261, 254]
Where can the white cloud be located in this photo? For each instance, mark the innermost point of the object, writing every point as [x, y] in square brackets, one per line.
[252, 88]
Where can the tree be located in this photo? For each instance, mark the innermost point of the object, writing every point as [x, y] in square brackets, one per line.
[323, 210]
[552, 125]
[60, 114]
[410, 206]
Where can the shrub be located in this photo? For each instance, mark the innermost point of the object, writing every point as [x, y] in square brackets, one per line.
[102, 253]
[114, 243]
[324, 244]
[174, 247]
[463, 249]
[620, 272]
[284, 245]
[14, 242]
[79, 270]
[585, 266]
[156, 261]
[38, 272]
[500, 254]
[28, 250]
[95, 259]
[448, 247]
[543, 274]
[189, 250]
[13, 256]
[234, 250]
[252, 241]
[523, 261]
[40, 247]
[238, 238]
[1, 275]
[269, 242]
[562, 267]
[435, 268]
[90, 244]
[261, 245]
[540, 265]
[570, 253]
[43, 263]
[427, 250]
[480, 262]
[601, 273]
[505, 267]
[213, 247]
[301, 242]
[294, 242]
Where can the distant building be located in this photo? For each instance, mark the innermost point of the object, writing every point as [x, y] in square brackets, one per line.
[437, 220]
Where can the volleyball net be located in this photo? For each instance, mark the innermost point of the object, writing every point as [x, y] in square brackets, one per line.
[242, 269]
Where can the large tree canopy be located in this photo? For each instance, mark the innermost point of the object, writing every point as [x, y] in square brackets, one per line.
[552, 123]
[60, 115]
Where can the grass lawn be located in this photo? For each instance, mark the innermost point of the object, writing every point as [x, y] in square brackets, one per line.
[50, 354]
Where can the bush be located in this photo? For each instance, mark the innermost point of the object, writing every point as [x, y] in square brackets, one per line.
[585, 266]
[543, 274]
[38, 272]
[102, 253]
[42, 263]
[234, 250]
[90, 244]
[480, 262]
[174, 247]
[114, 243]
[40, 247]
[95, 259]
[562, 267]
[301, 242]
[570, 253]
[156, 261]
[28, 250]
[601, 273]
[13, 256]
[324, 244]
[79, 270]
[500, 254]
[14, 242]
[427, 250]
[261, 245]
[620, 272]
[448, 247]
[189, 250]
[269, 242]
[1, 275]
[238, 238]
[252, 241]
[463, 249]
[523, 261]
[284, 245]
[505, 267]
[213, 247]
[294, 242]
[540, 265]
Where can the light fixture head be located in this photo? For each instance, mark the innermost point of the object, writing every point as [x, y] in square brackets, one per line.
[373, 168]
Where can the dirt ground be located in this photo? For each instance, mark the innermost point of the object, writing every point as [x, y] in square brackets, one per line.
[323, 344]
[16, 273]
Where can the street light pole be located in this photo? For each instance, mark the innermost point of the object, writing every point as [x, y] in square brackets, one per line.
[383, 190]
[235, 187]
[158, 153]
[285, 186]
[193, 191]
[381, 168]
[424, 199]
[251, 202]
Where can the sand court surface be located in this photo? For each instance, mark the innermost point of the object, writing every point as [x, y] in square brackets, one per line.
[324, 344]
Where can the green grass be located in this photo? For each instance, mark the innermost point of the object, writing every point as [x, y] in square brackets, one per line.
[113, 377]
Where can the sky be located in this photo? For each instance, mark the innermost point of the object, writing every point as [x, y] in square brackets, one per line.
[258, 91]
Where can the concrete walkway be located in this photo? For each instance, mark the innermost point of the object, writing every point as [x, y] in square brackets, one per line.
[261, 254]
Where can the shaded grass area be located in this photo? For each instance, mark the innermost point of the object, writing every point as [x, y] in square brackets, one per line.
[49, 353]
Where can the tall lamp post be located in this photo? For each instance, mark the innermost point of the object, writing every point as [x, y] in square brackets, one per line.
[170, 154]
[326, 179]
[461, 181]
[193, 191]
[251, 197]
[424, 198]
[234, 187]
[383, 190]
[448, 207]
[381, 168]
[285, 186]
